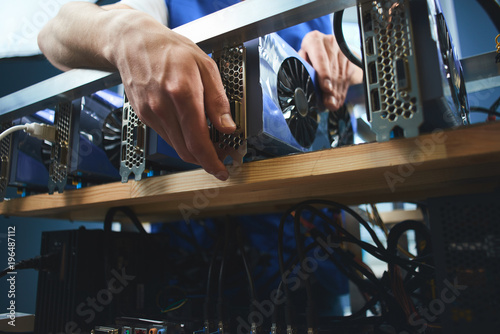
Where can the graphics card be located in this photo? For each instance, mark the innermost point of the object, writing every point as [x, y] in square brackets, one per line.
[283, 99]
[86, 148]
[414, 81]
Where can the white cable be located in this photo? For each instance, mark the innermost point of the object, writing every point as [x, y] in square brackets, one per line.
[37, 130]
[11, 130]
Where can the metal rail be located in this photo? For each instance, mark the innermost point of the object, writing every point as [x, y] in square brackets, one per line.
[235, 24]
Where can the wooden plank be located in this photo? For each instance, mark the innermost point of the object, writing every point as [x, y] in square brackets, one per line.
[444, 163]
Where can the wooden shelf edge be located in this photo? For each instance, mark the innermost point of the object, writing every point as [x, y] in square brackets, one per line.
[465, 158]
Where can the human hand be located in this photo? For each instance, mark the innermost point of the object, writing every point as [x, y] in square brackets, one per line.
[173, 86]
[335, 72]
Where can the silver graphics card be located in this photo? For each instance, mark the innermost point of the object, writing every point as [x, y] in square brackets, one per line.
[413, 78]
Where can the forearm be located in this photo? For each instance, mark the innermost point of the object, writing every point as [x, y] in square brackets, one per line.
[84, 35]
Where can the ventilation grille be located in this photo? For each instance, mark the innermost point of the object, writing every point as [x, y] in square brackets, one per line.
[467, 243]
[5, 149]
[133, 144]
[60, 152]
[390, 67]
[231, 64]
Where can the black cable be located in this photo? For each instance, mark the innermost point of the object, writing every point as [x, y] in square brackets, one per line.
[352, 275]
[220, 301]
[343, 207]
[47, 262]
[378, 252]
[485, 111]
[195, 241]
[491, 111]
[108, 219]
[251, 287]
[206, 305]
[288, 299]
[299, 241]
[380, 288]
[339, 35]
[492, 8]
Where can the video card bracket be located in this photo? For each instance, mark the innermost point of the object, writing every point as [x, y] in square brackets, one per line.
[391, 75]
[133, 144]
[5, 150]
[231, 62]
[60, 155]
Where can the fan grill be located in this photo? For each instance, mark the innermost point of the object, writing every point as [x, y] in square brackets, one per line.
[298, 101]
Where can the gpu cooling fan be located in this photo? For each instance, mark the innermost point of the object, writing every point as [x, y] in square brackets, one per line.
[297, 97]
[283, 99]
[453, 68]
[340, 129]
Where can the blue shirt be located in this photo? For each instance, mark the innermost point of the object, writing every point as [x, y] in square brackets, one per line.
[184, 11]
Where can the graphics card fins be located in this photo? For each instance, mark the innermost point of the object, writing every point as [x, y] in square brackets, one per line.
[5, 154]
[60, 156]
[82, 158]
[283, 112]
[413, 79]
[133, 144]
[390, 68]
[231, 62]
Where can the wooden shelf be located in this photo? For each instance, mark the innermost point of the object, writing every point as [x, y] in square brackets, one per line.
[459, 161]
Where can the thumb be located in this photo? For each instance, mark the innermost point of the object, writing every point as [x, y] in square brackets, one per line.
[216, 102]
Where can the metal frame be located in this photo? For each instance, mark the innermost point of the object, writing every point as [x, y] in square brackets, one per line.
[233, 25]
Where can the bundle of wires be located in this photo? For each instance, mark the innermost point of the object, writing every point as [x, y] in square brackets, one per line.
[391, 298]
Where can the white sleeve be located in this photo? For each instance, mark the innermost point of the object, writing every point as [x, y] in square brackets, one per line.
[155, 8]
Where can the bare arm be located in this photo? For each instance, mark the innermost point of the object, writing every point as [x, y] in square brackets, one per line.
[170, 82]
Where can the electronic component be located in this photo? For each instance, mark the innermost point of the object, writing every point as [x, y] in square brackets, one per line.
[116, 273]
[60, 154]
[232, 68]
[283, 100]
[466, 239]
[5, 149]
[90, 155]
[414, 80]
[133, 144]
[104, 330]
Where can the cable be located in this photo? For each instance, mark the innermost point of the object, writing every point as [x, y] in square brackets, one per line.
[394, 295]
[206, 305]
[492, 111]
[12, 130]
[251, 285]
[485, 111]
[339, 35]
[299, 241]
[220, 301]
[37, 130]
[47, 262]
[492, 9]
[108, 219]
